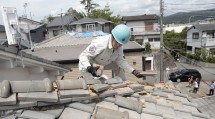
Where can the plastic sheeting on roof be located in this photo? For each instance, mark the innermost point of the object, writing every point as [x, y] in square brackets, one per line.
[85, 34]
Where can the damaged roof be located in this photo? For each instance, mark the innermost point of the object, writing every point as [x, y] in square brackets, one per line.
[102, 98]
[64, 48]
[14, 53]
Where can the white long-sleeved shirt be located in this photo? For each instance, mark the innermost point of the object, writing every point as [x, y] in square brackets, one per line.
[101, 52]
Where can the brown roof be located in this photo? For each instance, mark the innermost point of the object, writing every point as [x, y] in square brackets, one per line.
[140, 17]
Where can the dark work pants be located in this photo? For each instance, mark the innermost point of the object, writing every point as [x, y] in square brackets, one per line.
[211, 92]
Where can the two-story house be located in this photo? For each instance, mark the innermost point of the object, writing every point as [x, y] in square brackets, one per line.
[88, 25]
[59, 24]
[144, 28]
[201, 36]
[37, 29]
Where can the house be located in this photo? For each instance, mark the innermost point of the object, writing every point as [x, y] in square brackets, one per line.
[65, 50]
[59, 24]
[2, 33]
[37, 29]
[145, 28]
[30, 89]
[88, 25]
[201, 36]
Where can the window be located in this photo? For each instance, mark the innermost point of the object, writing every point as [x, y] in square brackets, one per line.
[90, 27]
[148, 26]
[195, 35]
[189, 48]
[150, 39]
[132, 29]
[156, 39]
[210, 35]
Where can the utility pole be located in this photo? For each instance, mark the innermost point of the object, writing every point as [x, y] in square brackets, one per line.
[161, 43]
[25, 5]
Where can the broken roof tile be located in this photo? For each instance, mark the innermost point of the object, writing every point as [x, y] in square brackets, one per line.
[74, 93]
[38, 96]
[36, 115]
[74, 113]
[11, 100]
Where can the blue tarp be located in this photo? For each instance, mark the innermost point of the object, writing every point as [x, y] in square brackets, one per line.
[85, 34]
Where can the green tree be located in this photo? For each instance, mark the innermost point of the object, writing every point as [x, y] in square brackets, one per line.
[106, 13]
[89, 6]
[148, 47]
[173, 40]
[47, 19]
[72, 11]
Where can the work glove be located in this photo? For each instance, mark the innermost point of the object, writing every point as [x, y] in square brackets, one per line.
[137, 74]
[93, 70]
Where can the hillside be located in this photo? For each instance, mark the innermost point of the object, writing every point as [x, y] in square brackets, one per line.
[183, 17]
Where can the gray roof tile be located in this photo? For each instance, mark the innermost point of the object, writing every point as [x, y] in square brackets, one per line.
[204, 27]
[82, 107]
[11, 100]
[56, 111]
[74, 93]
[132, 114]
[108, 105]
[74, 113]
[186, 115]
[64, 20]
[100, 87]
[149, 116]
[19, 105]
[38, 96]
[36, 115]
[165, 109]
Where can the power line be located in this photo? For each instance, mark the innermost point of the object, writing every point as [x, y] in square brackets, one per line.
[190, 4]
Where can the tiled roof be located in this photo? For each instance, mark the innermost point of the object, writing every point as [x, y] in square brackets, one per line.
[204, 27]
[206, 105]
[2, 29]
[13, 51]
[65, 53]
[90, 20]
[96, 98]
[26, 19]
[31, 27]
[140, 17]
[63, 40]
[65, 20]
[66, 48]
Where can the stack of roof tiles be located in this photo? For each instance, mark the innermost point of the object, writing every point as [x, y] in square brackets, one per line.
[89, 98]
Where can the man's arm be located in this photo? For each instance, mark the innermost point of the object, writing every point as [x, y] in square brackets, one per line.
[122, 63]
[86, 57]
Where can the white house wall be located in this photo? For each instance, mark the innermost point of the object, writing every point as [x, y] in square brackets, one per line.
[195, 43]
[139, 26]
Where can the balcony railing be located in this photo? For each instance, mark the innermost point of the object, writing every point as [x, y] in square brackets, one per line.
[145, 32]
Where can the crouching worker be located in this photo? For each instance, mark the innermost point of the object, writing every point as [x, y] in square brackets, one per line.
[106, 52]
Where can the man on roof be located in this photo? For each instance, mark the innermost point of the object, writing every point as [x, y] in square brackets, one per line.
[106, 52]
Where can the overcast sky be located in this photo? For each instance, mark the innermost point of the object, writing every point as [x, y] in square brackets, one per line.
[41, 8]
